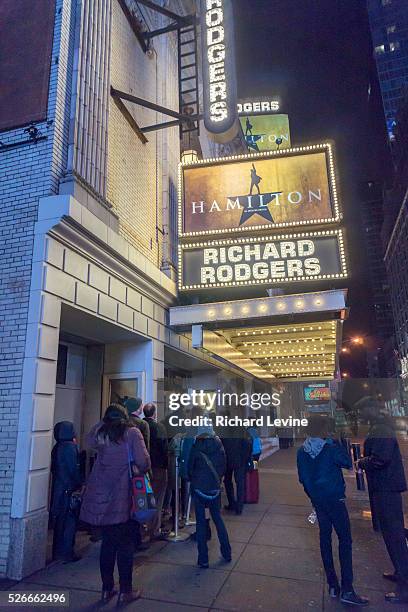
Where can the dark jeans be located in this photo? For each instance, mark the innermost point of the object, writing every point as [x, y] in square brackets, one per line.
[202, 528]
[63, 542]
[335, 514]
[117, 546]
[390, 517]
[239, 477]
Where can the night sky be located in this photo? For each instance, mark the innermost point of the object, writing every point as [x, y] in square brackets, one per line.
[316, 56]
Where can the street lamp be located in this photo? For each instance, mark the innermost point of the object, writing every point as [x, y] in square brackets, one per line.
[345, 375]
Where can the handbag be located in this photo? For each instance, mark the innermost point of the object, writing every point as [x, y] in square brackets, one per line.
[143, 507]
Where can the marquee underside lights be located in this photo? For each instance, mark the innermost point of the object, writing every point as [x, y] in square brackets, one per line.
[219, 71]
[259, 191]
[267, 260]
[288, 352]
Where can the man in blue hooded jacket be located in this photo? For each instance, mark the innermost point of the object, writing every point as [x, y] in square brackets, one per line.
[320, 462]
[66, 478]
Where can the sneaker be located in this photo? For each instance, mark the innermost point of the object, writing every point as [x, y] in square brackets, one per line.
[203, 565]
[397, 598]
[390, 576]
[352, 599]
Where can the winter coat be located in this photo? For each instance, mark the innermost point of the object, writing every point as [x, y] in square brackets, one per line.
[66, 476]
[238, 447]
[158, 444]
[107, 497]
[321, 474]
[382, 460]
[143, 427]
[201, 476]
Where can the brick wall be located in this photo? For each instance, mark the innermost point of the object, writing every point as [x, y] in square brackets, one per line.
[26, 174]
[139, 174]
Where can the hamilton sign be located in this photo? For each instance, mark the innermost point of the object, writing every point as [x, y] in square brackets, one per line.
[267, 260]
[219, 71]
[265, 191]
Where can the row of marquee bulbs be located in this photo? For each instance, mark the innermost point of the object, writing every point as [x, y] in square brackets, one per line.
[264, 307]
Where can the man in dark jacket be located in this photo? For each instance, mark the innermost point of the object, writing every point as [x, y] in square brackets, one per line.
[159, 460]
[383, 465]
[320, 462]
[66, 479]
[206, 468]
[238, 448]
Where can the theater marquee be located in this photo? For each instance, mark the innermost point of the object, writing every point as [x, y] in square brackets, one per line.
[219, 70]
[271, 190]
[291, 258]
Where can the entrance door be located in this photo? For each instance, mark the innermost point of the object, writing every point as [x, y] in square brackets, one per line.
[118, 386]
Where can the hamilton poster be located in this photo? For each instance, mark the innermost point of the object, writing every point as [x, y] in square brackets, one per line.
[264, 192]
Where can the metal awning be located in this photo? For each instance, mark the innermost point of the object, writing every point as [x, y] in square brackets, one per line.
[289, 337]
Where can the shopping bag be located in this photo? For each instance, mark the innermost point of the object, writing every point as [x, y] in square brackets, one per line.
[143, 505]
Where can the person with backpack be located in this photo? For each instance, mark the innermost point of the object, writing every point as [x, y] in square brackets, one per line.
[66, 478]
[107, 499]
[320, 462]
[256, 443]
[206, 467]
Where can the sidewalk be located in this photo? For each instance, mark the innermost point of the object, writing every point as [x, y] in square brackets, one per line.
[276, 563]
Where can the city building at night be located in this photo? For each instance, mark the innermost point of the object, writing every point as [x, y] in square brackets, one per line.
[124, 270]
[396, 233]
[389, 28]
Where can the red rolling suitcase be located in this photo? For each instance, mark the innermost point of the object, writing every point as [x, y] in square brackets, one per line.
[252, 487]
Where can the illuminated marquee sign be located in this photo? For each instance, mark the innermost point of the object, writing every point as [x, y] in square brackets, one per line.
[219, 74]
[317, 393]
[255, 261]
[266, 132]
[258, 106]
[271, 190]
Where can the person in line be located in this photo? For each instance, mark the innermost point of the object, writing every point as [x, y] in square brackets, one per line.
[66, 478]
[159, 461]
[320, 462]
[238, 449]
[106, 502]
[256, 443]
[206, 468]
[134, 407]
[383, 465]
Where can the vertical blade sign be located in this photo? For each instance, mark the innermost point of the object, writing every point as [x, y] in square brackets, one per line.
[219, 70]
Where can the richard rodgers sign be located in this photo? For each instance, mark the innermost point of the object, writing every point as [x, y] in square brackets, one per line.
[219, 71]
[266, 260]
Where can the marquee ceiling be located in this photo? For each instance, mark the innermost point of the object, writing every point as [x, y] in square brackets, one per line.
[289, 352]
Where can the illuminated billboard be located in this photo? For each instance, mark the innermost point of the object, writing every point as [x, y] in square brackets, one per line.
[219, 71]
[286, 259]
[317, 393]
[262, 191]
[266, 132]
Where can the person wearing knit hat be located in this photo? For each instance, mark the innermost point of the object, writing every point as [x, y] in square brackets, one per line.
[134, 407]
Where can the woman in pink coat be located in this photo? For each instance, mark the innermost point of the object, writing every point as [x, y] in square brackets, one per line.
[106, 501]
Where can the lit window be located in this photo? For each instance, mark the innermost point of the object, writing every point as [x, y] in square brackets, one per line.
[386, 2]
[391, 29]
[379, 49]
[394, 46]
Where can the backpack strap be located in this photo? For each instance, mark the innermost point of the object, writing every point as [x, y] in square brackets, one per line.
[211, 467]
